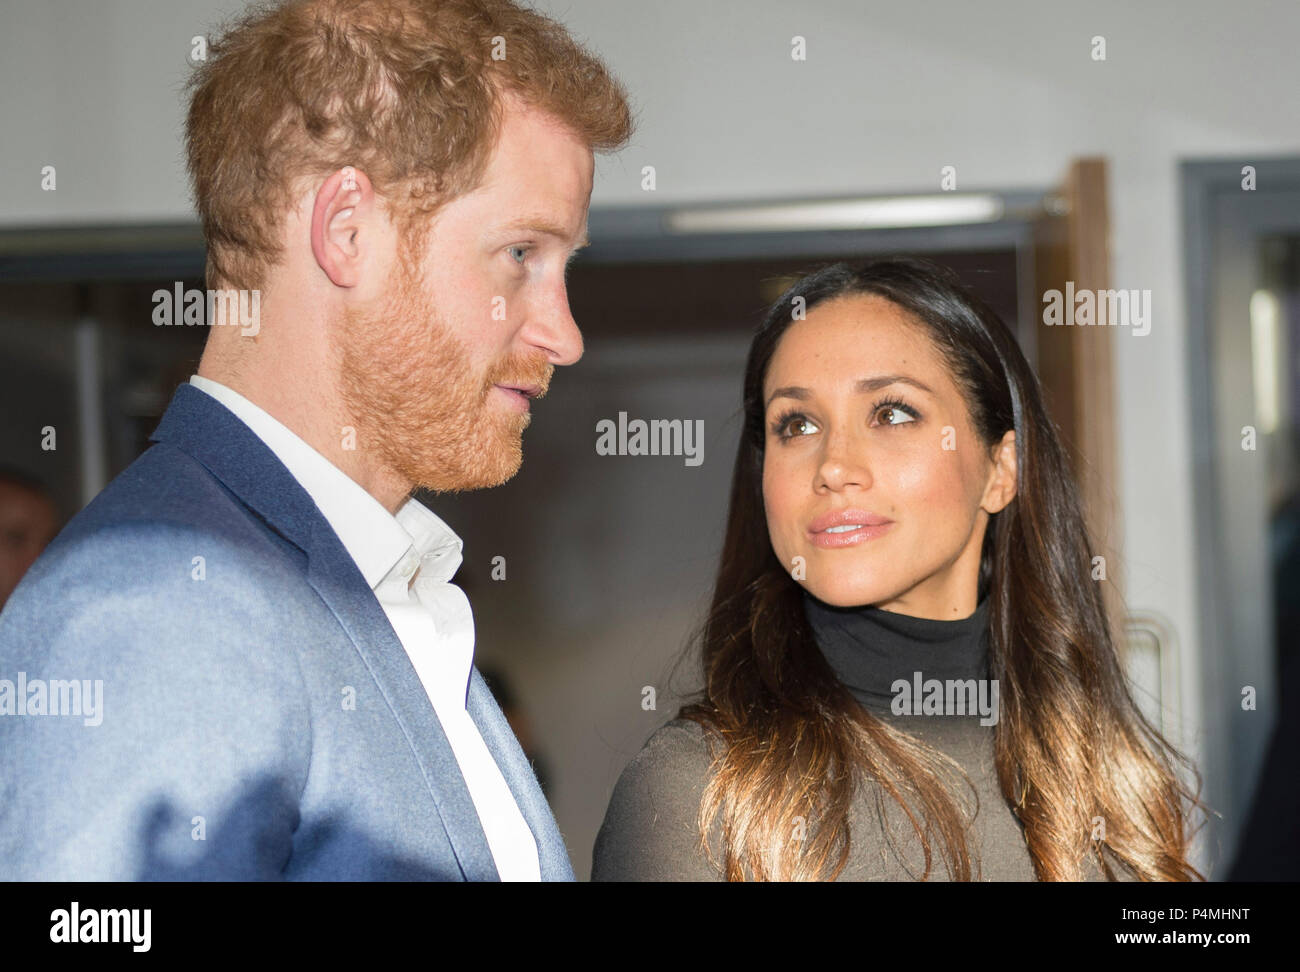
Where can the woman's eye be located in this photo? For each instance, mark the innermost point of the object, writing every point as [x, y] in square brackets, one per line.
[521, 250]
[795, 425]
[895, 415]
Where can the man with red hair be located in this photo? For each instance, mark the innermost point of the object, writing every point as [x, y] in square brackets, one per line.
[289, 689]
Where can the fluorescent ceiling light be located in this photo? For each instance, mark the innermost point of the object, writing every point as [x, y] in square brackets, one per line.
[892, 212]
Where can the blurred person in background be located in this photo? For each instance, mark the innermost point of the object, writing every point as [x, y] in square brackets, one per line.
[29, 519]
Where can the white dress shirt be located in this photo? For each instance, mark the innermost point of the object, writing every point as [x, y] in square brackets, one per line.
[408, 560]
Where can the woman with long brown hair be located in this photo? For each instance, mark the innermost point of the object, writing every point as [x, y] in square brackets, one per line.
[908, 670]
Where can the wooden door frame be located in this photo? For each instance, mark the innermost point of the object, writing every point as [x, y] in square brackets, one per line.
[1075, 364]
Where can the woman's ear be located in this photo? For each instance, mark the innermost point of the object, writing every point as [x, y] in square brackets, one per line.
[1001, 487]
[342, 206]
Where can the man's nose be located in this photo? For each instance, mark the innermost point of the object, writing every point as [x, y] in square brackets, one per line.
[552, 328]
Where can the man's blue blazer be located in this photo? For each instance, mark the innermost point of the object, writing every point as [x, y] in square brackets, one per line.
[260, 717]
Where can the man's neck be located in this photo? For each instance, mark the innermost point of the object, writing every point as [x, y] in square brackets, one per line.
[319, 422]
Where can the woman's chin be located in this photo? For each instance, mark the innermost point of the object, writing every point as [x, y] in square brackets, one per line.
[844, 593]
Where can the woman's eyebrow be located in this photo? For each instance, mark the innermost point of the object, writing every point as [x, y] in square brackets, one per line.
[874, 383]
[880, 381]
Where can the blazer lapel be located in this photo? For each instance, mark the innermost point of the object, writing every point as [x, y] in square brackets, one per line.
[501, 742]
[204, 428]
[341, 586]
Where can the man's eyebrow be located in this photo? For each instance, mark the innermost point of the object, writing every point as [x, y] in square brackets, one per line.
[874, 383]
[545, 227]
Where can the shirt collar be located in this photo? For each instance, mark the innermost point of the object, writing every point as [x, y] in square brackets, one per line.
[377, 540]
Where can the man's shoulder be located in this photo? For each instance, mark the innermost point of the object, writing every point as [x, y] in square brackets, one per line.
[166, 489]
[165, 579]
[166, 536]
[164, 502]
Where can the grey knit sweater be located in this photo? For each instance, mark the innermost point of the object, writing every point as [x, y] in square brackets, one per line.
[650, 830]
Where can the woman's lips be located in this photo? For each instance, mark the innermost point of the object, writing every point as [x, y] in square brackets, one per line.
[849, 537]
[845, 528]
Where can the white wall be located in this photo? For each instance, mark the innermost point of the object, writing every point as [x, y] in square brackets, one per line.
[1004, 90]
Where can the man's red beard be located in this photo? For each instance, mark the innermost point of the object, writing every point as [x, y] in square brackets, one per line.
[419, 404]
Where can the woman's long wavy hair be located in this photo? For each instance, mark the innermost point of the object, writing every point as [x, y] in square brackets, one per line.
[1085, 773]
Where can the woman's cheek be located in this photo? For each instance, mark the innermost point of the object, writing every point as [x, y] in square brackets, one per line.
[931, 486]
[781, 508]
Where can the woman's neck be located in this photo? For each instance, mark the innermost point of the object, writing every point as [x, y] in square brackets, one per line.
[871, 650]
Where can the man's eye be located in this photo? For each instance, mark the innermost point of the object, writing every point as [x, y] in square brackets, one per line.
[518, 249]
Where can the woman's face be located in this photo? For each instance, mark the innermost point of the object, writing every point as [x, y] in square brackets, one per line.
[872, 471]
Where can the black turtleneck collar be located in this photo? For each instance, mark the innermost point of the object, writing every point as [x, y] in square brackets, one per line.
[868, 649]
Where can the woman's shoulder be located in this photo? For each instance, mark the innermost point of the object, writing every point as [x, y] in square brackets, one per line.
[684, 738]
[679, 752]
[677, 758]
[651, 829]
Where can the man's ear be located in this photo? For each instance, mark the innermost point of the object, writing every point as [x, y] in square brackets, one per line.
[1001, 487]
[344, 206]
